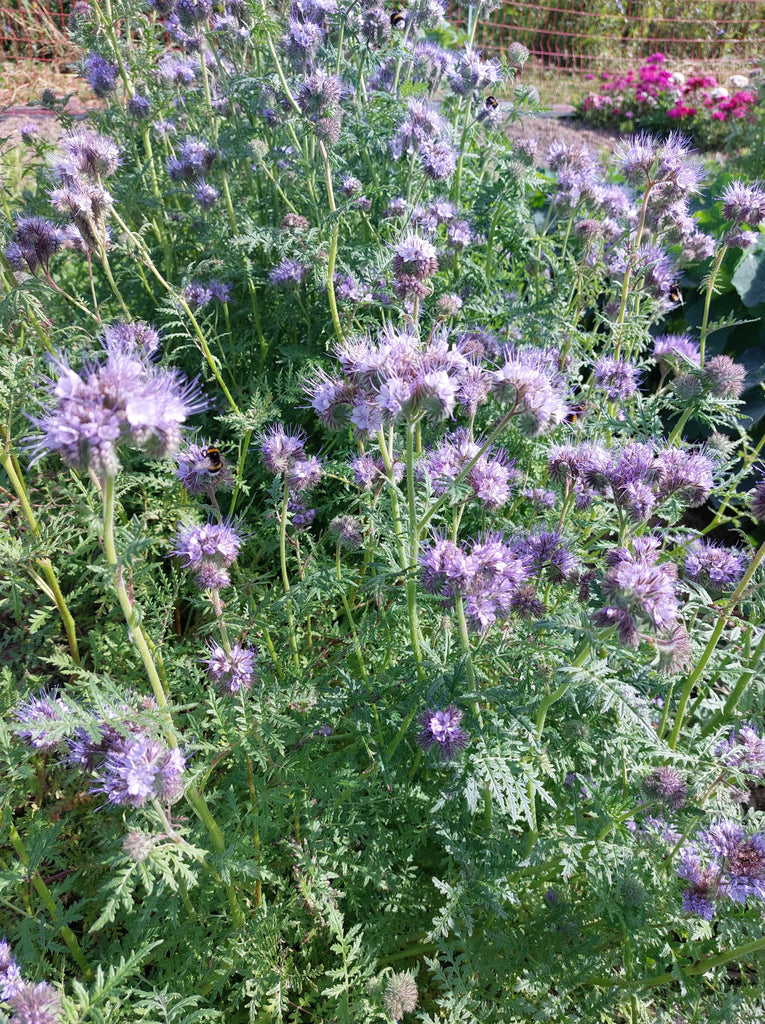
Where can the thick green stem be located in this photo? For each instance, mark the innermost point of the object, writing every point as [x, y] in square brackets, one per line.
[709, 650]
[50, 904]
[742, 952]
[45, 564]
[404, 555]
[285, 574]
[112, 283]
[179, 298]
[727, 711]
[333, 241]
[704, 330]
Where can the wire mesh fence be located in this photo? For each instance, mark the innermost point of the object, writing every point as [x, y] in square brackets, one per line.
[578, 35]
[34, 30]
[589, 35]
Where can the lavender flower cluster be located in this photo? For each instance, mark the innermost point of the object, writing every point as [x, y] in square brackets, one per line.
[130, 764]
[29, 1003]
[723, 863]
[638, 477]
[394, 378]
[122, 400]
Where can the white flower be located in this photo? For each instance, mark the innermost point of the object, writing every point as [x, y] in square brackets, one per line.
[738, 81]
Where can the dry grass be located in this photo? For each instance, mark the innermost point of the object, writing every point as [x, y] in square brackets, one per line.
[22, 82]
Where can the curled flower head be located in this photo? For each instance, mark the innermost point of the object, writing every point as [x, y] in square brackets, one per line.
[36, 714]
[209, 551]
[138, 768]
[36, 1004]
[282, 448]
[442, 729]
[714, 564]
[101, 74]
[667, 783]
[35, 240]
[122, 400]
[400, 996]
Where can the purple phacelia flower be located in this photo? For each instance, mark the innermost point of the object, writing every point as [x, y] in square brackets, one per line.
[743, 203]
[287, 273]
[131, 339]
[10, 973]
[722, 377]
[744, 749]
[36, 715]
[139, 107]
[420, 124]
[618, 378]
[369, 471]
[348, 531]
[714, 564]
[232, 670]
[191, 13]
[685, 474]
[101, 74]
[206, 195]
[442, 729]
[638, 590]
[209, 551]
[529, 382]
[439, 159]
[281, 448]
[124, 400]
[414, 257]
[200, 469]
[86, 154]
[546, 550]
[724, 862]
[28, 131]
[672, 350]
[35, 240]
[304, 474]
[139, 768]
[36, 1004]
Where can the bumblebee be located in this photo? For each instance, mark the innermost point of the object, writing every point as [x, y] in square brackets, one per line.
[398, 19]
[675, 293]
[492, 102]
[212, 463]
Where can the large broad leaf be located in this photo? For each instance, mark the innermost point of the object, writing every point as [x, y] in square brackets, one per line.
[749, 276]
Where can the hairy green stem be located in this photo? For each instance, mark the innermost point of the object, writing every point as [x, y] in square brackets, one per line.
[709, 650]
[285, 574]
[333, 241]
[45, 564]
[704, 329]
[51, 906]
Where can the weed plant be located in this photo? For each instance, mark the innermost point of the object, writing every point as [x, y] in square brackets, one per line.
[382, 605]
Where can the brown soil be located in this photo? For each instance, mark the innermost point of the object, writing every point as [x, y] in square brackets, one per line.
[559, 125]
[21, 87]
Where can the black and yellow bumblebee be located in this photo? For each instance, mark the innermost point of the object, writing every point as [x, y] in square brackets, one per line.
[398, 19]
[211, 463]
[491, 102]
[675, 294]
